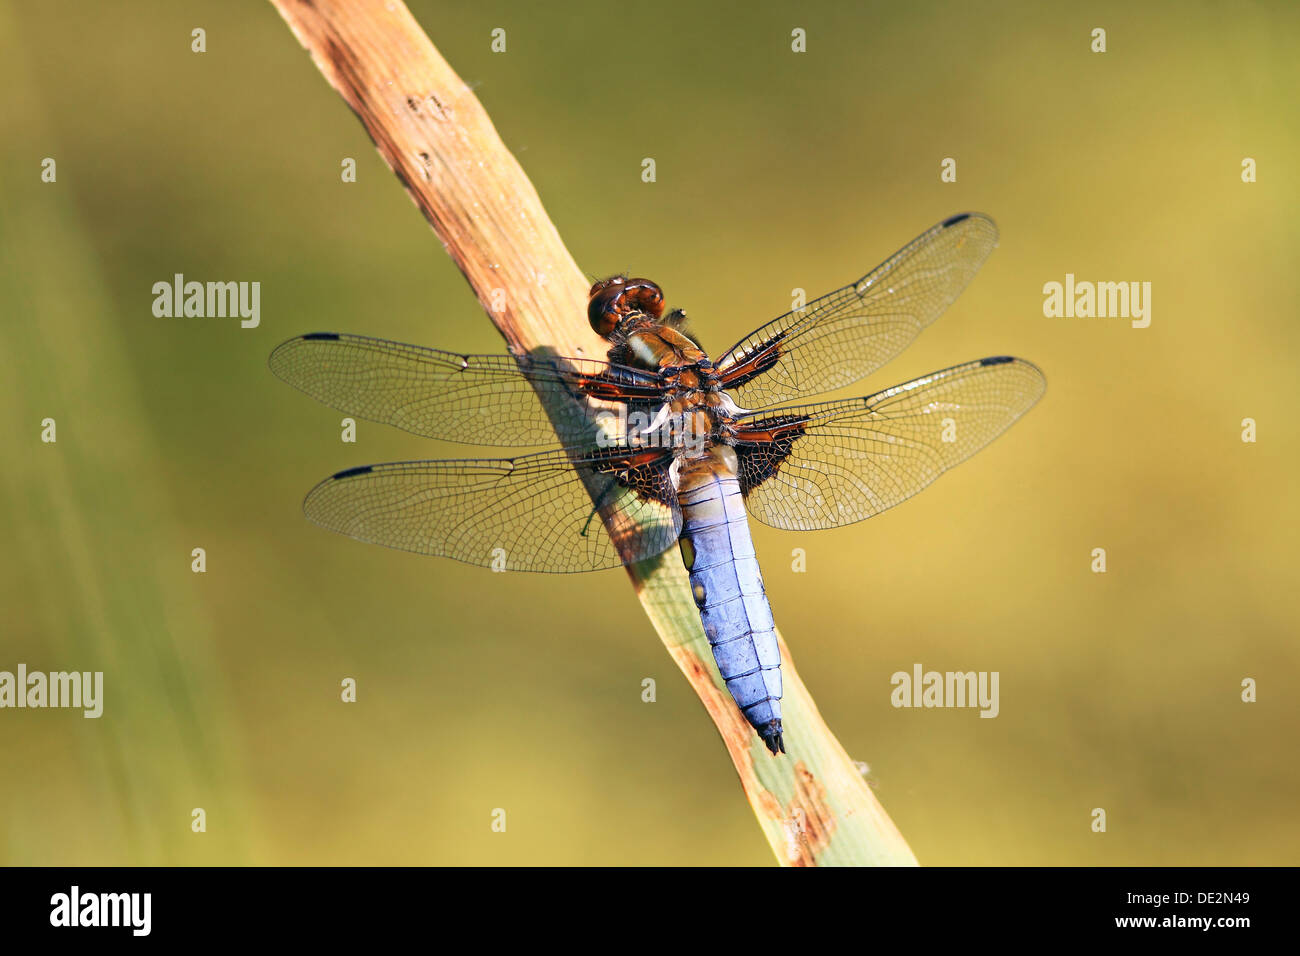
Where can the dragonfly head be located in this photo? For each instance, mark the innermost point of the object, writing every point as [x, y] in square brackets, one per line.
[615, 298]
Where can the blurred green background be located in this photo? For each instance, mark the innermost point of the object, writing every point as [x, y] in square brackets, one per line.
[775, 170]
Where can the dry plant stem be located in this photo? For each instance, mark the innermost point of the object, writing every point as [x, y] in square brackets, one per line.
[812, 803]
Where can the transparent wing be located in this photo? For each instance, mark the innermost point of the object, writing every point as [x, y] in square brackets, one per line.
[475, 399]
[841, 337]
[831, 464]
[531, 513]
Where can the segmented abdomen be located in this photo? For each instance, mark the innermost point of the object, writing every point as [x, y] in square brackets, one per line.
[728, 589]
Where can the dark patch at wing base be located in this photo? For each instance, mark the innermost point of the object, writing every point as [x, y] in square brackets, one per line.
[645, 473]
[763, 444]
[763, 356]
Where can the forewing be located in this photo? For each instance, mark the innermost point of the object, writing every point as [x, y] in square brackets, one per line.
[531, 513]
[474, 399]
[831, 464]
[841, 337]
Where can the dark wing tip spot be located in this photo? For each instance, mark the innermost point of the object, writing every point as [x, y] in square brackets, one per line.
[353, 472]
[321, 337]
[953, 220]
[997, 360]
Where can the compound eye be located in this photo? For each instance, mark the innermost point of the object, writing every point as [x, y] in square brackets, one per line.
[604, 284]
[655, 306]
[602, 311]
[647, 296]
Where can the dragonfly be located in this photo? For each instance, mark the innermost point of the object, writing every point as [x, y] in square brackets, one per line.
[659, 445]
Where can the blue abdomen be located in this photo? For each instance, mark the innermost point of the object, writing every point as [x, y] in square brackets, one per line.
[728, 589]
